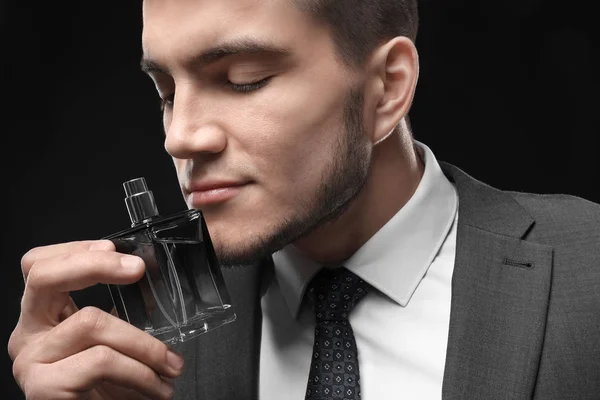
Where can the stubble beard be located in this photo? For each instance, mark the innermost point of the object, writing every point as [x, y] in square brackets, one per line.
[343, 181]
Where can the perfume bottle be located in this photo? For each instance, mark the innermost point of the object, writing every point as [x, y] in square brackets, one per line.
[182, 293]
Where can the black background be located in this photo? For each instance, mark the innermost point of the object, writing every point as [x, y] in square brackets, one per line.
[507, 92]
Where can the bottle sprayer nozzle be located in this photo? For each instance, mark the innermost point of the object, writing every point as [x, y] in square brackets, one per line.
[139, 201]
[135, 186]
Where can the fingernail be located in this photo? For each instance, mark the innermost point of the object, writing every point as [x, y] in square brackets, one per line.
[175, 361]
[131, 263]
[167, 390]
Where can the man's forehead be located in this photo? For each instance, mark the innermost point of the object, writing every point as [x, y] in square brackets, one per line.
[208, 9]
[184, 20]
[182, 28]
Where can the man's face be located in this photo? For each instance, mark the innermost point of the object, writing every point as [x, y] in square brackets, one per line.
[256, 101]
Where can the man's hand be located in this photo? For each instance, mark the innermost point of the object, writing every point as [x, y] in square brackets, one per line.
[60, 352]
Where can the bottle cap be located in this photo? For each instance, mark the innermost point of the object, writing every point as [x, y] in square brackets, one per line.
[139, 201]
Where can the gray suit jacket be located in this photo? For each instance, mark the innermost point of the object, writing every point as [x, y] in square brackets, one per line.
[525, 312]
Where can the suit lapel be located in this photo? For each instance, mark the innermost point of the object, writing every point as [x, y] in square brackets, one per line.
[500, 291]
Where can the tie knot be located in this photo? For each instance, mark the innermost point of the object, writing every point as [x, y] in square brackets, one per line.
[335, 292]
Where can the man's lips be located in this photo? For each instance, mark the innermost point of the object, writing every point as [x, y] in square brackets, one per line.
[205, 193]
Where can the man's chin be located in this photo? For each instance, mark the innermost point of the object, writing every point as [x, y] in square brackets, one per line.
[229, 259]
[230, 254]
[250, 250]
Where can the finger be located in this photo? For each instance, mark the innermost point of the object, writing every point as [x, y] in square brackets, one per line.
[43, 252]
[19, 339]
[50, 279]
[108, 390]
[90, 327]
[70, 309]
[86, 370]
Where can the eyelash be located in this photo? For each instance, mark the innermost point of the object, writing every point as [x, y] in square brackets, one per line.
[238, 88]
[248, 87]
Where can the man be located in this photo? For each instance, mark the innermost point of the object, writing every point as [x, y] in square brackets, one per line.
[287, 123]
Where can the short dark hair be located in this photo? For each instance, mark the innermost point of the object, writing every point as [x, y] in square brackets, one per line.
[359, 26]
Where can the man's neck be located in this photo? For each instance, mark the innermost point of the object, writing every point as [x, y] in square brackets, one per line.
[395, 173]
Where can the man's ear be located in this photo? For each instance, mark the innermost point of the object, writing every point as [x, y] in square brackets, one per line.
[393, 72]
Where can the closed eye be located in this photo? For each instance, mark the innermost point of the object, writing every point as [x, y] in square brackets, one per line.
[249, 87]
[167, 101]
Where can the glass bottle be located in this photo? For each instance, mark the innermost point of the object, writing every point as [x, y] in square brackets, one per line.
[182, 293]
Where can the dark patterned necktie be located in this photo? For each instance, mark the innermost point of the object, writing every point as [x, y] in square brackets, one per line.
[334, 366]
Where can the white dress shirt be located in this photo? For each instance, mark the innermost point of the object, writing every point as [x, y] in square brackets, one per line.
[401, 328]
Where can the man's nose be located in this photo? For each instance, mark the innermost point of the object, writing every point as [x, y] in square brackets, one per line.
[194, 127]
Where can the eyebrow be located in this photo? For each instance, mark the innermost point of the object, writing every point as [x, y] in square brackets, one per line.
[225, 49]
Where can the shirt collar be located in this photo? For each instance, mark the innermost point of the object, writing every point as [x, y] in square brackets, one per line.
[397, 257]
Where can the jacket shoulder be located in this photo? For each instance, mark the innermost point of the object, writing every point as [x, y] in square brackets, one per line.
[562, 217]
